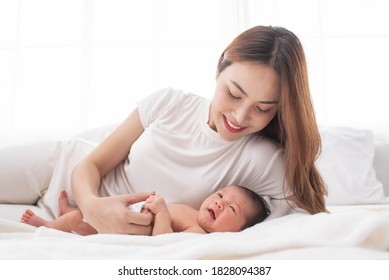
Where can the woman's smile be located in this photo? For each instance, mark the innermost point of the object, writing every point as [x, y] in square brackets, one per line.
[232, 127]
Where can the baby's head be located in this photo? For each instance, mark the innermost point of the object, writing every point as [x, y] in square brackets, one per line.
[232, 208]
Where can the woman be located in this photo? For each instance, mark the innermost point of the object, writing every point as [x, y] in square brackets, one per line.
[259, 131]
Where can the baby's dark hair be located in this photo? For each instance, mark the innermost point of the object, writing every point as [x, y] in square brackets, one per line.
[261, 209]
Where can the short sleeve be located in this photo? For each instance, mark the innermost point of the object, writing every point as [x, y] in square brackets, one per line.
[274, 175]
[156, 105]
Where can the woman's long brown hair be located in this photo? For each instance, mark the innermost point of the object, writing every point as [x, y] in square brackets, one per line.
[294, 126]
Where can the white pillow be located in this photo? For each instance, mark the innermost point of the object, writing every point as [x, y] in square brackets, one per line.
[346, 164]
[96, 134]
[25, 171]
[381, 163]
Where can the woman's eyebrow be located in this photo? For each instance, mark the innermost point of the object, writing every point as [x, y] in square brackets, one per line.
[238, 87]
[242, 91]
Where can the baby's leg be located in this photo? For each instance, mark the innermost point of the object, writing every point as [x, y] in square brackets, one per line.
[63, 203]
[32, 219]
[77, 224]
[71, 221]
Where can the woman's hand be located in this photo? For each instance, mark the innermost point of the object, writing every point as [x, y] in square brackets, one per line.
[112, 215]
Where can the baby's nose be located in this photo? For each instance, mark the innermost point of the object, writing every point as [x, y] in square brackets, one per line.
[219, 204]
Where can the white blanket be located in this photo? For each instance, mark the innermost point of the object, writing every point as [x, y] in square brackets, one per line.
[353, 234]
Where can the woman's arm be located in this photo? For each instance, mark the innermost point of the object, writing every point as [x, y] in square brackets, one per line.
[110, 214]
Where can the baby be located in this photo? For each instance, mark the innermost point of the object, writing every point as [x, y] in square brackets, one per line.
[231, 209]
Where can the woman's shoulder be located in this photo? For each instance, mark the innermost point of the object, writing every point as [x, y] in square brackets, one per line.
[167, 104]
[168, 98]
[263, 153]
[259, 143]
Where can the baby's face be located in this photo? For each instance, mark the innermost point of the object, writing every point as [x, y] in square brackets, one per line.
[225, 210]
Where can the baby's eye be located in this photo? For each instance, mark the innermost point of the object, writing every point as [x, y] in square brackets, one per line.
[220, 195]
[233, 209]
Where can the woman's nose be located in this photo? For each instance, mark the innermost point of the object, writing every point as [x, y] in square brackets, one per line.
[241, 115]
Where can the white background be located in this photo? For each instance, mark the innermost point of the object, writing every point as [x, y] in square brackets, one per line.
[108, 269]
[69, 65]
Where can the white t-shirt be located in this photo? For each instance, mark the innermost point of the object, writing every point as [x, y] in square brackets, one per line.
[181, 158]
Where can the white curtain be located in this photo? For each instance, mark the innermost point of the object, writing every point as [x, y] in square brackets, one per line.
[70, 65]
[346, 43]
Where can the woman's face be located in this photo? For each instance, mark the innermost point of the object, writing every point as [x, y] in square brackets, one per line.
[246, 99]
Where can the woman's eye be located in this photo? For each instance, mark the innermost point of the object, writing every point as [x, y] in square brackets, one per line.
[231, 95]
[262, 111]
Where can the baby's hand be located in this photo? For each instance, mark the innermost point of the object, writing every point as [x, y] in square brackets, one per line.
[156, 204]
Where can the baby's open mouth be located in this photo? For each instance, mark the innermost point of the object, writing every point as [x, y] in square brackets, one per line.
[212, 213]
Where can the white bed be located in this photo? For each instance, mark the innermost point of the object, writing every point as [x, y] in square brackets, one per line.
[354, 165]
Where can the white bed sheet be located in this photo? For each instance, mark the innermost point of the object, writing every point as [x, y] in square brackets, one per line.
[349, 232]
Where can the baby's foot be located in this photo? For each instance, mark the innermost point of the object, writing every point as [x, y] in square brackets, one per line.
[63, 203]
[32, 219]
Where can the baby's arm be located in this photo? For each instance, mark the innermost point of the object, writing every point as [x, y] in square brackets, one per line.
[162, 220]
